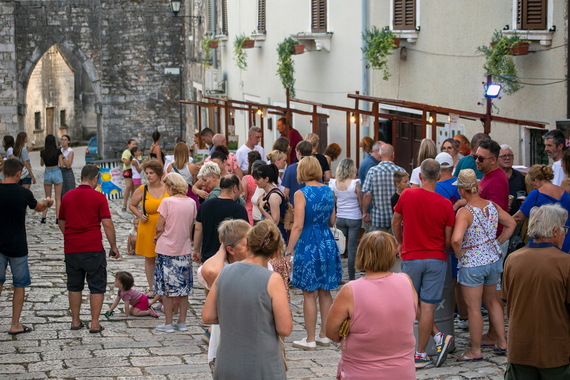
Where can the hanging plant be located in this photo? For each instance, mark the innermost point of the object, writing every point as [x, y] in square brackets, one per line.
[379, 45]
[285, 65]
[499, 62]
[240, 55]
[207, 45]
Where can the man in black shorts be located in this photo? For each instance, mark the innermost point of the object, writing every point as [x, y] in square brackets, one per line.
[81, 214]
[13, 241]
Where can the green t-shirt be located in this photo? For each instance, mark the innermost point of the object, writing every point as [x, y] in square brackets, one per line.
[127, 154]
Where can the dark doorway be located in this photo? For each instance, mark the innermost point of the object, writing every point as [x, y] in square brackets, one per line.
[49, 121]
[408, 139]
[322, 132]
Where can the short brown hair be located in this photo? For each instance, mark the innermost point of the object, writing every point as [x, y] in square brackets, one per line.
[231, 231]
[309, 169]
[265, 240]
[399, 175]
[154, 165]
[376, 252]
[126, 279]
[333, 151]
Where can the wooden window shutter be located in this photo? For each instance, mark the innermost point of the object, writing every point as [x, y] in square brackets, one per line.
[261, 27]
[224, 17]
[318, 16]
[209, 16]
[404, 14]
[531, 14]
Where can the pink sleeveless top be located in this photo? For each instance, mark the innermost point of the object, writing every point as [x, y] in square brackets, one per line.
[380, 343]
[251, 187]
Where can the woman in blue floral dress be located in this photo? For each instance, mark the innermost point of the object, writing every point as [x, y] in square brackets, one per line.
[316, 264]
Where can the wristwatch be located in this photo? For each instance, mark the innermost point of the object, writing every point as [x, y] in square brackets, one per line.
[288, 253]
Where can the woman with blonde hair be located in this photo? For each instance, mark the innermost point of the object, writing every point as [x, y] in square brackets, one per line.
[149, 198]
[427, 150]
[279, 159]
[21, 153]
[451, 146]
[313, 138]
[544, 193]
[173, 269]
[316, 264]
[378, 296]
[250, 348]
[346, 188]
[182, 166]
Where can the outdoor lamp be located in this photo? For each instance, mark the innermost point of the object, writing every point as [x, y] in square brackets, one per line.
[492, 90]
[353, 118]
[175, 6]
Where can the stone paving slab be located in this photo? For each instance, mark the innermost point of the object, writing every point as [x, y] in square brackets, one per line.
[130, 348]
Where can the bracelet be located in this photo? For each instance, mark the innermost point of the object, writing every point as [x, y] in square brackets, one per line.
[288, 253]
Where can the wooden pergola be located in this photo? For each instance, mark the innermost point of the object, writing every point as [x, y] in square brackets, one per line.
[429, 115]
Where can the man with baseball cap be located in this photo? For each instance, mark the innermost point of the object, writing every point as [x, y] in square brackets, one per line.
[445, 184]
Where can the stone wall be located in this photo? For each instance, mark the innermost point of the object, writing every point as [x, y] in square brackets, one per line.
[118, 50]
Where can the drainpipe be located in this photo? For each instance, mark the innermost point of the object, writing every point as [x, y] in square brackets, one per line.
[214, 31]
[365, 73]
[568, 72]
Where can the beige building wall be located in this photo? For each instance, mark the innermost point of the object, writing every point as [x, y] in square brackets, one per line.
[50, 90]
[443, 68]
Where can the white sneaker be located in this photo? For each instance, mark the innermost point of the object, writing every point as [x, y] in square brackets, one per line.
[463, 324]
[324, 342]
[165, 328]
[180, 326]
[304, 345]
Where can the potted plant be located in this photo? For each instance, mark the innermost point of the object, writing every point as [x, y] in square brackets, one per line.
[239, 53]
[207, 45]
[379, 45]
[498, 60]
[298, 49]
[248, 43]
[285, 65]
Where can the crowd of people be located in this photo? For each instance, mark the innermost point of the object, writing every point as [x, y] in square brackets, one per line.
[258, 224]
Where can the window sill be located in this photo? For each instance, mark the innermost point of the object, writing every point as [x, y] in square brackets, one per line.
[543, 36]
[410, 36]
[39, 130]
[258, 36]
[315, 41]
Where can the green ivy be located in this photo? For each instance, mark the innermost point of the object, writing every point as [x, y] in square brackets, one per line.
[285, 64]
[207, 50]
[378, 46]
[240, 55]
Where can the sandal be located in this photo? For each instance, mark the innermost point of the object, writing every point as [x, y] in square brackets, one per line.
[464, 358]
[78, 327]
[26, 329]
[499, 351]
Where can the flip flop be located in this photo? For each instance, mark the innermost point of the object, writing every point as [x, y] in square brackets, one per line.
[79, 327]
[499, 351]
[95, 331]
[26, 329]
[485, 344]
[464, 358]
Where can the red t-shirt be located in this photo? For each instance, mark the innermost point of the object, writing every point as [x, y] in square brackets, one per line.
[494, 187]
[294, 138]
[83, 209]
[425, 214]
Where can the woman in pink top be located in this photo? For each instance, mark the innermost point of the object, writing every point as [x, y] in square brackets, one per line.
[248, 183]
[382, 309]
[173, 269]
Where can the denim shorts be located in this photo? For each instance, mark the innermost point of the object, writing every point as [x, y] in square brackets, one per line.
[428, 276]
[25, 181]
[173, 275]
[86, 265]
[489, 274]
[53, 176]
[20, 270]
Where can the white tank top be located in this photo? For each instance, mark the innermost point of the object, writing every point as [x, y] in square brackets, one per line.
[346, 201]
[184, 172]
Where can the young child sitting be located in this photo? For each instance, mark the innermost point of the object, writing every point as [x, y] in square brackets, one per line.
[402, 182]
[132, 240]
[136, 302]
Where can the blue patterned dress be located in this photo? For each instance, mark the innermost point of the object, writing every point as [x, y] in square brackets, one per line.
[316, 264]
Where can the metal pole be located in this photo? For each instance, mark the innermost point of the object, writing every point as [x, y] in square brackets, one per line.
[181, 98]
[487, 124]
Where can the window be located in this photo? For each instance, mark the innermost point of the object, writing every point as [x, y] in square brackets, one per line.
[62, 121]
[531, 14]
[318, 16]
[37, 121]
[404, 14]
[261, 28]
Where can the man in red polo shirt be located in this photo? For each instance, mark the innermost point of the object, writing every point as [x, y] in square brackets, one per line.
[292, 134]
[81, 214]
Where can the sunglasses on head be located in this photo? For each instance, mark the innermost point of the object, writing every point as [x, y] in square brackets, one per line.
[481, 158]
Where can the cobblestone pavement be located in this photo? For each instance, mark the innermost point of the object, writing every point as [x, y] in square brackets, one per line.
[130, 348]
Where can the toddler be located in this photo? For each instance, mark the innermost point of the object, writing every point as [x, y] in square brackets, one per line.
[136, 302]
[132, 240]
[402, 182]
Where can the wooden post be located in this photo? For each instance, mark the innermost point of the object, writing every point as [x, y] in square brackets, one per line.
[487, 123]
[315, 119]
[219, 120]
[199, 118]
[424, 124]
[376, 123]
[226, 117]
[433, 126]
[288, 115]
[348, 140]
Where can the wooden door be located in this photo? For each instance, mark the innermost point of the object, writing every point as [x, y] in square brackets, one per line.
[322, 132]
[408, 139]
[49, 120]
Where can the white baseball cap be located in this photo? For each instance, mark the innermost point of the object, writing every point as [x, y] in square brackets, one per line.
[445, 160]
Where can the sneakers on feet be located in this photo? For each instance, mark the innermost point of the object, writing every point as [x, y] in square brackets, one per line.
[462, 323]
[180, 326]
[152, 312]
[422, 361]
[165, 328]
[324, 342]
[304, 345]
[206, 337]
[442, 349]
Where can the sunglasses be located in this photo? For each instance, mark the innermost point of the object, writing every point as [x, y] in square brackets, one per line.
[507, 156]
[481, 158]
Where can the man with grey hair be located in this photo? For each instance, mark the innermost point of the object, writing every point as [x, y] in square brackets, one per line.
[252, 143]
[378, 189]
[536, 288]
[373, 159]
[554, 145]
[515, 178]
[429, 219]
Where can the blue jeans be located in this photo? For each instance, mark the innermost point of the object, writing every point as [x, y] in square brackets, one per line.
[351, 230]
[20, 270]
